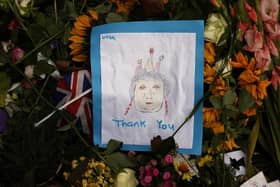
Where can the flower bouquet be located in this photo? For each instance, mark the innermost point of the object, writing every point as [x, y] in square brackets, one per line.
[44, 43]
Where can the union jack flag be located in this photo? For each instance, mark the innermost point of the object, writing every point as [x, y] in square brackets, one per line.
[70, 86]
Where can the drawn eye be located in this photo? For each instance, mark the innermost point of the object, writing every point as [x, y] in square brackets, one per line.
[142, 87]
[156, 86]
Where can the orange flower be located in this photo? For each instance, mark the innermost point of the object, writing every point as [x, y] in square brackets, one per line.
[209, 74]
[211, 119]
[219, 88]
[124, 6]
[253, 84]
[93, 14]
[261, 88]
[240, 61]
[230, 144]
[79, 36]
[209, 53]
[250, 112]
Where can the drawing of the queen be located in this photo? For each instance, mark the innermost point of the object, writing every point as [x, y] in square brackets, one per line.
[148, 88]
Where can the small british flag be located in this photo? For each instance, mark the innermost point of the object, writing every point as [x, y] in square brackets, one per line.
[70, 86]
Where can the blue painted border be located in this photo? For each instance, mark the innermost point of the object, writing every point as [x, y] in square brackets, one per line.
[185, 26]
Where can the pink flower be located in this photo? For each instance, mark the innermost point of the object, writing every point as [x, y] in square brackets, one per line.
[253, 39]
[275, 79]
[263, 58]
[273, 29]
[154, 162]
[272, 48]
[14, 24]
[17, 54]
[269, 10]
[148, 179]
[155, 172]
[168, 183]
[166, 175]
[251, 12]
[168, 159]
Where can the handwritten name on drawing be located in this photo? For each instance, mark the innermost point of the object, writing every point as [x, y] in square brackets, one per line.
[108, 37]
[142, 124]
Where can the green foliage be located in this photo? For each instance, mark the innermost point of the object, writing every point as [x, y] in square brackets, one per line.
[40, 151]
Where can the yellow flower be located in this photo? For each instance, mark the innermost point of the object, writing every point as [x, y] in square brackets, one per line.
[74, 164]
[203, 160]
[183, 169]
[79, 36]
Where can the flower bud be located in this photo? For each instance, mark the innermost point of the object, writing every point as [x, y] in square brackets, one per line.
[24, 7]
[227, 68]
[126, 179]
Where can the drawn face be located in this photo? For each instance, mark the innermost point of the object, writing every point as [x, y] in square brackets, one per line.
[148, 95]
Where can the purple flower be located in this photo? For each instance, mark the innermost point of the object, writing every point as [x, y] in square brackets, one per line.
[3, 120]
[166, 175]
[168, 159]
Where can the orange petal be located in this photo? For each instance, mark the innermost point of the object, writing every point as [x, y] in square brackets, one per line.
[84, 20]
[93, 14]
[77, 39]
[80, 58]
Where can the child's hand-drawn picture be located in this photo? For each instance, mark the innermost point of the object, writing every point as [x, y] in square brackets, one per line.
[146, 78]
[148, 88]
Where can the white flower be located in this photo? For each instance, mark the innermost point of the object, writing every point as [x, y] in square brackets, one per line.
[126, 178]
[215, 28]
[227, 68]
[29, 71]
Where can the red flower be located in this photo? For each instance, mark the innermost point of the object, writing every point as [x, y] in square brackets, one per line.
[251, 12]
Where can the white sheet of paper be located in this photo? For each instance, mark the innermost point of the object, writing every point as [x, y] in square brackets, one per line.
[275, 183]
[256, 181]
[119, 57]
[237, 155]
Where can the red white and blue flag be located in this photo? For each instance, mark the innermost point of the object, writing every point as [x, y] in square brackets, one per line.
[70, 86]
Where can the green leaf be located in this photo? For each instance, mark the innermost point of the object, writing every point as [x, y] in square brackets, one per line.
[37, 32]
[229, 98]
[112, 146]
[5, 82]
[245, 100]
[251, 147]
[118, 161]
[102, 8]
[43, 67]
[216, 102]
[113, 17]
[70, 9]
[41, 19]
[53, 28]
[4, 59]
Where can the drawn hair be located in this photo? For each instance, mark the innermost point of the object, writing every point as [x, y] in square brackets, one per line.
[149, 72]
